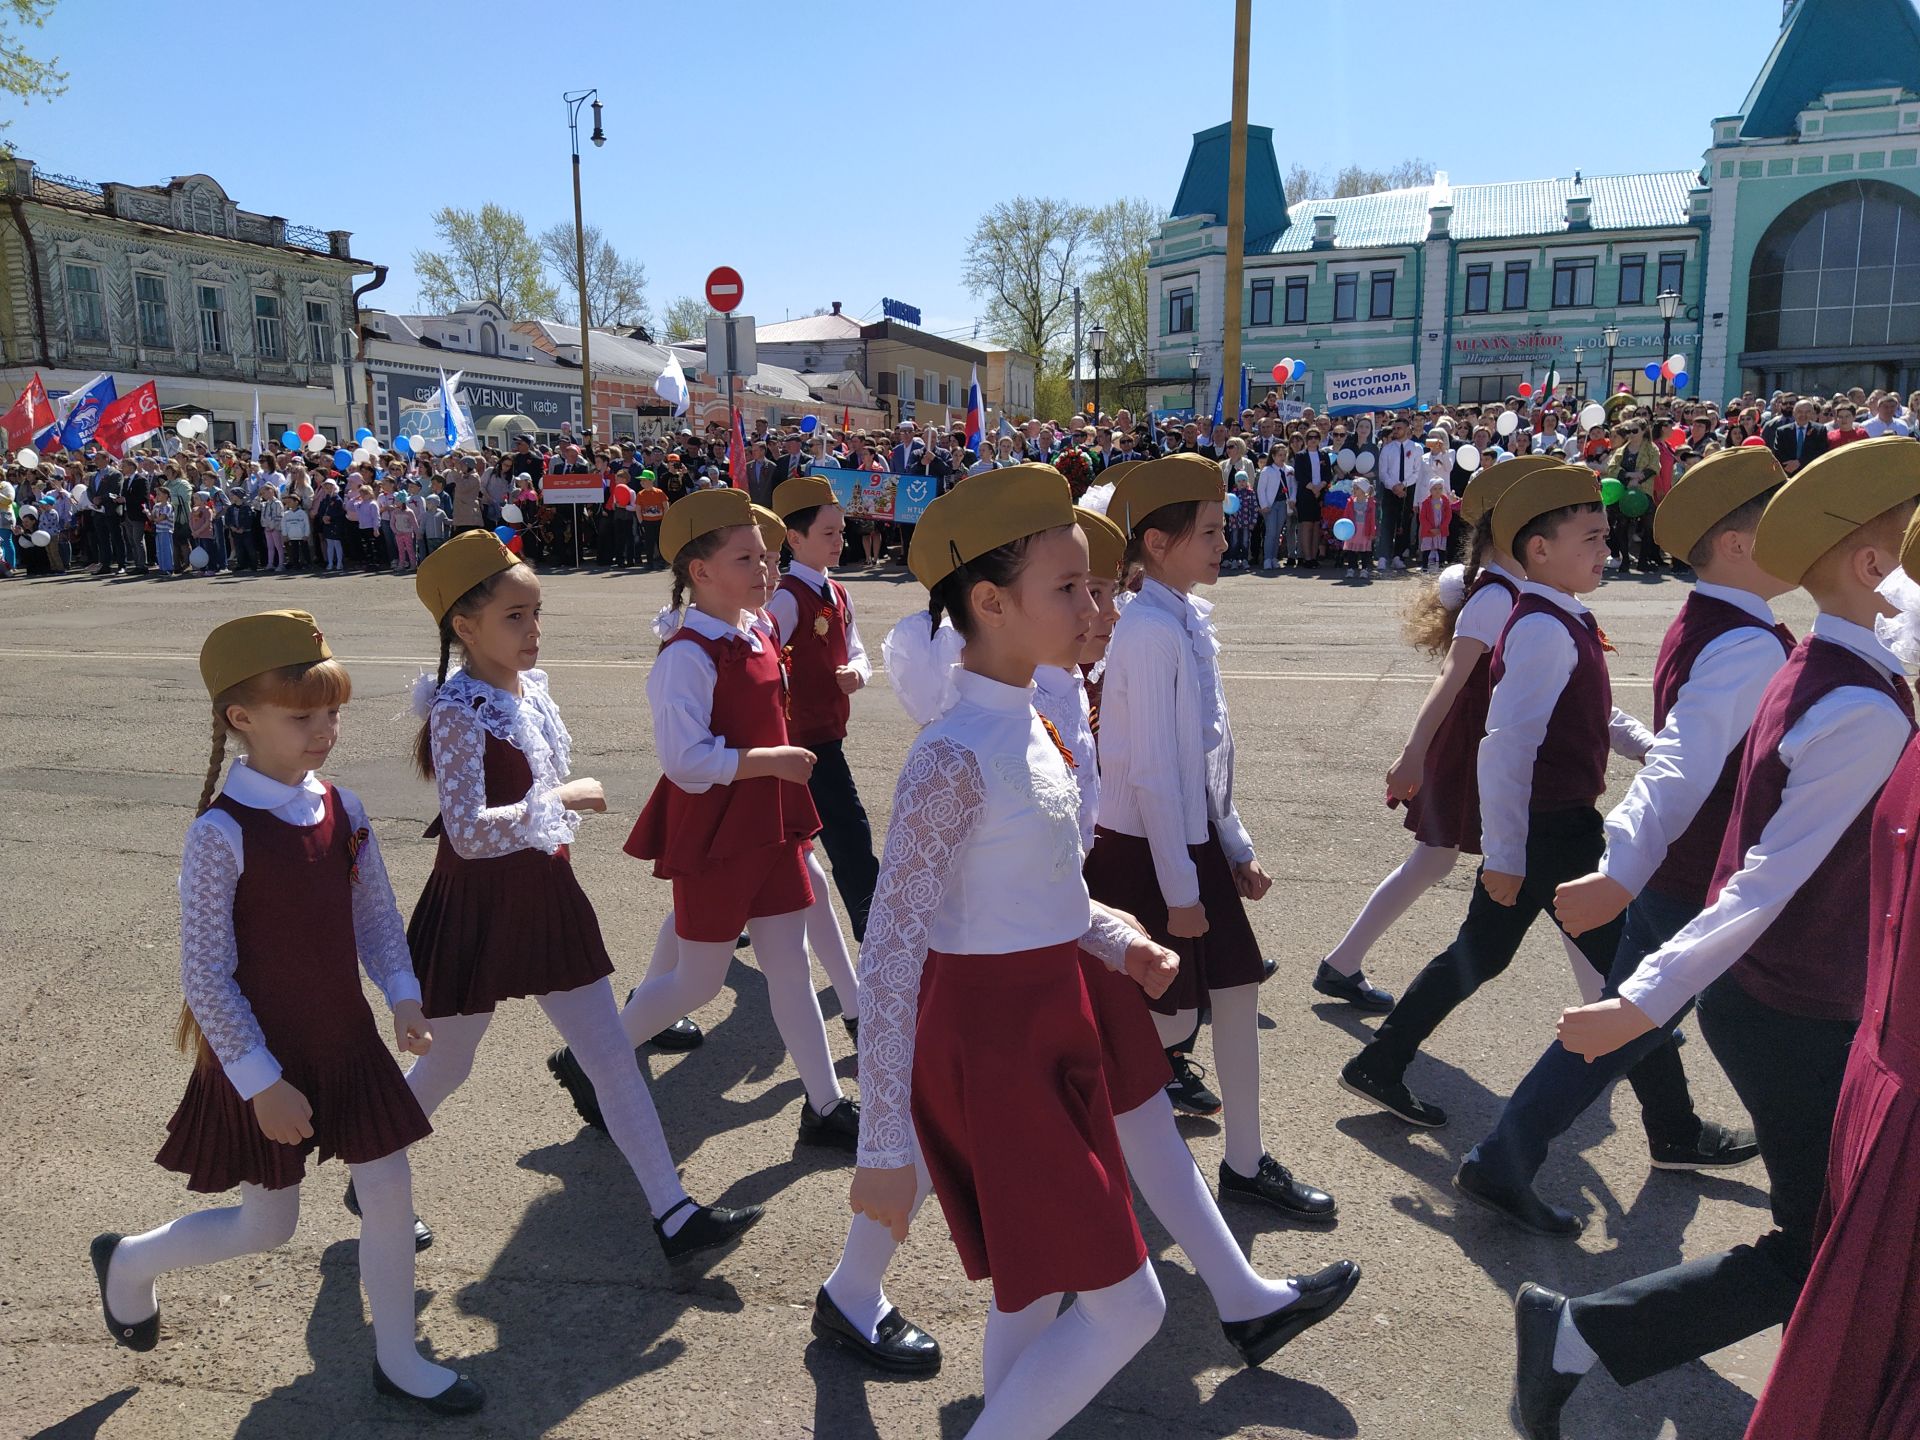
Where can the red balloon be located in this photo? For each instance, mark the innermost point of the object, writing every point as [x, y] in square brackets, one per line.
[622, 496]
[305, 431]
[514, 546]
[1676, 437]
[1525, 389]
[1280, 374]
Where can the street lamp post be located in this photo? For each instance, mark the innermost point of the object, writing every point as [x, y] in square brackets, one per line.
[1612, 336]
[1578, 395]
[574, 100]
[1096, 342]
[1669, 301]
[1193, 381]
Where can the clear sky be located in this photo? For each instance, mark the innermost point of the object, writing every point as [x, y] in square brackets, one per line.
[836, 150]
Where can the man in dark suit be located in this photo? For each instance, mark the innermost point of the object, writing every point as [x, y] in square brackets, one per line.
[908, 453]
[793, 462]
[1802, 441]
[760, 475]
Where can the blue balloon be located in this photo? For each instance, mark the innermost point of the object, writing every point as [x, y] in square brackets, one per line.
[1343, 529]
[1680, 380]
[1231, 504]
[290, 439]
[342, 458]
[363, 434]
[505, 532]
[1653, 370]
[810, 424]
[1425, 408]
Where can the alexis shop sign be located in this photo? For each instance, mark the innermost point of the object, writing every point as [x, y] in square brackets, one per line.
[1535, 343]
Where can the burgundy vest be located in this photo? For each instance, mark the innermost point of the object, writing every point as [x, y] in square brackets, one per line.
[1570, 769]
[1687, 872]
[1812, 959]
[815, 650]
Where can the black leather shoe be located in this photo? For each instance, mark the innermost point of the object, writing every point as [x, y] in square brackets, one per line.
[682, 1034]
[1185, 1090]
[1539, 1390]
[1353, 989]
[852, 1022]
[1391, 1096]
[711, 1228]
[1320, 1295]
[1269, 967]
[1719, 1147]
[579, 1088]
[743, 942]
[142, 1334]
[1273, 1185]
[462, 1397]
[1521, 1206]
[422, 1236]
[838, 1129]
[898, 1345]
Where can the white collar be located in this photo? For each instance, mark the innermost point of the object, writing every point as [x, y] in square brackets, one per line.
[1519, 581]
[1862, 641]
[701, 623]
[247, 786]
[1187, 606]
[1056, 680]
[1731, 595]
[808, 574]
[1569, 603]
[976, 689]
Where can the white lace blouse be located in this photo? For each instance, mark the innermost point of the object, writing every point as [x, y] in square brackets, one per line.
[982, 857]
[465, 711]
[1060, 695]
[210, 870]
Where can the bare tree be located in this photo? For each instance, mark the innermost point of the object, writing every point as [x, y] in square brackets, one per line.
[1116, 288]
[616, 287]
[685, 319]
[1306, 183]
[485, 255]
[1025, 257]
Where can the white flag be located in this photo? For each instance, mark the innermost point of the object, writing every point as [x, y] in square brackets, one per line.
[672, 384]
[456, 423]
[257, 446]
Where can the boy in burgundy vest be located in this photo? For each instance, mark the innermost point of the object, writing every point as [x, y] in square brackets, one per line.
[1778, 958]
[1663, 839]
[826, 663]
[1542, 766]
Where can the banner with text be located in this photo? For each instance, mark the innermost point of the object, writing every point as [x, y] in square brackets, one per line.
[876, 495]
[1355, 392]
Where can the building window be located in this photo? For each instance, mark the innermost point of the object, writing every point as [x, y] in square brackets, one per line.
[931, 387]
[1839, 268]
[1479, 288]
[1180, 311]
[150, 299]
[1673, 272]
[85, 313]
[1262, 303]
[1297, 300]
[213, 319]
[1572, 284]
[267, 338]
[489, 338]
[1346, 296]
[903, 375]
[1380, 306]
[1633, 280]
[1487, 389]
[320, 331]
[1515, 296]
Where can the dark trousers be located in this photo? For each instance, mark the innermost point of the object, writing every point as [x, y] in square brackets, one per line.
[845, 832]
[1562, 845]
[1392, 537]
[650, 542]
[109, 540]
[1786, 1070]
[1562, 1085]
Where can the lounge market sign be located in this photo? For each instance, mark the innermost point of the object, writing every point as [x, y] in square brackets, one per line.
[1540, 344]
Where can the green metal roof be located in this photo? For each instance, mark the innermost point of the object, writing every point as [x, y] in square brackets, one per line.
[1828, 45]
[1203, 188]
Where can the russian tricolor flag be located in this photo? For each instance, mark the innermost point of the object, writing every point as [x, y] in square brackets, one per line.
[976, 414]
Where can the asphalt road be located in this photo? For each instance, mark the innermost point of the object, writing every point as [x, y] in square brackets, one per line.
[546, 1283]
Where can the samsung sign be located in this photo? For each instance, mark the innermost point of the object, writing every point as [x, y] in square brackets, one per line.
[900, 310]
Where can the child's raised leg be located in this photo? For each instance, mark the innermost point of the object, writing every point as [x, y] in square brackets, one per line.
[263, 1220]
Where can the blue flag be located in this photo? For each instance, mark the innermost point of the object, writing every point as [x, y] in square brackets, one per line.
[82, 409]
[1220, 401]
[1243, 387]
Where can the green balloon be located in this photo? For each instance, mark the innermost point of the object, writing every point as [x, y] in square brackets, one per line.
[1611, 491]
[1635, 503]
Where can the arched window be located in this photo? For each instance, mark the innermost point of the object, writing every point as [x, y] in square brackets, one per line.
[489, 338]
[1839, 268]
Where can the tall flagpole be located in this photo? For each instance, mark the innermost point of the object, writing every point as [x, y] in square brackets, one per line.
[1236, 189]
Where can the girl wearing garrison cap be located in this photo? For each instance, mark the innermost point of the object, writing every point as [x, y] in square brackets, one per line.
[282, 889]
[503, 916]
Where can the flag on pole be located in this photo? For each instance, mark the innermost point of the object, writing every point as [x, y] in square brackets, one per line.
[259, 441]
[671, 386]
[1006, 427]
[127, 421]
[1244, 371]
[456, 424]
[976, 413]
[79, 410]
[737, 452]
[1220, 401]
[846, 418]
[31, 416]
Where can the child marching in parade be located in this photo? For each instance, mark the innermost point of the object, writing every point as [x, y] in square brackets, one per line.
[281, 888]
[503, 915]
[1777, 961]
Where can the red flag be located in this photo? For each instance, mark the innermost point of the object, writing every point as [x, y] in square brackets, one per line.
[737, 452]
[846, 420]
[31, 414]
[129, 420]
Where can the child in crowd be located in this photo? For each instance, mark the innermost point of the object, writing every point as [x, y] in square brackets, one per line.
[1436, 523]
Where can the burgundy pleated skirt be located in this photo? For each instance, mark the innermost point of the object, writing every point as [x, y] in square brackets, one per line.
[1130, 1049]
[1015, 1123]
[503, 928]
[1120, 873]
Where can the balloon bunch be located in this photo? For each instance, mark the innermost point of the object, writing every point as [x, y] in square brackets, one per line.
[1673, 370]
[188, 426]
[1288, 371]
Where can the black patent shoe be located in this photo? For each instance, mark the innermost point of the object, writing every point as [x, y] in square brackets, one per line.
[1391, 1096]
[682, 1034]
[142, 1334]
[579, 1088]
[462, 1397]
[852, 1022]
[1269, 967]
[422, 1236]
[1273, 1185]
[838, 1129]
[1186, 1090]
[1320, 1295]
[1353, 989]
[712, 1227]
[1522, 1206]
[1717, 1147]
[1540, 1392]
[898, 1345]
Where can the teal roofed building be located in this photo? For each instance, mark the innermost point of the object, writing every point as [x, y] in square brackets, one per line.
[1794, 251]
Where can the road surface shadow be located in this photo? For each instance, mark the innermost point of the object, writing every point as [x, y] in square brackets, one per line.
[85, 1424]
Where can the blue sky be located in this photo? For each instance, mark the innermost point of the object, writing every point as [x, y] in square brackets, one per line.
[842, 151]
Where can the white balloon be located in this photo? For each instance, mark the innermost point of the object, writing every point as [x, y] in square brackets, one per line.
[42, 539]
[1364, 464]
[511, 514]
[1676, 363]
[1592, 414]
[29, 458]
[361, 457]
[1467, 458]
[198, 558]
[1344, 459]
[183, 427]
[318, 442]
[1507, 423]
[370, 445]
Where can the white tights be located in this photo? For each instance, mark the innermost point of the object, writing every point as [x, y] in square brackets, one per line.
[1044, 1366]
[588, 1022]
[1236, 1062]
[855, 1284]
[265, 1220]
[688, 977]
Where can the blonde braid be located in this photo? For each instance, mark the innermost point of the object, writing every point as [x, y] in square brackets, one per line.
[215, 760]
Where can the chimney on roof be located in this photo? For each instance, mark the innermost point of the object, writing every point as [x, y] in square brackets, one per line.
[1579, 212]
[836, 307]
[1323, 231]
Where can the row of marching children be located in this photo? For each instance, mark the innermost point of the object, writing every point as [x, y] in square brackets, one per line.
[1019, 1034]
